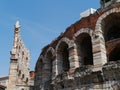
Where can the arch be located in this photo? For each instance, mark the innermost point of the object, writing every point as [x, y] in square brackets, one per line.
[101, 33]
[98, 26]
[83, 30]
[47, 74]
[62, 51]
[66, 40]
[50, 49]
[112, 30]
[50, 57]
[108, 28]
[84, 46]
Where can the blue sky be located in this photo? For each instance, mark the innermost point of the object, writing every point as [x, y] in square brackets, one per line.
[41, 22]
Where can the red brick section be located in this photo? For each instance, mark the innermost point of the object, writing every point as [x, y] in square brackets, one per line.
[86, 22]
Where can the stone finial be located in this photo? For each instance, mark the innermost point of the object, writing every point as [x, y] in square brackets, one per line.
[17, 25]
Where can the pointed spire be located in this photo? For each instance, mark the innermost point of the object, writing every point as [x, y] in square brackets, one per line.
[16, 33]
[17, 25]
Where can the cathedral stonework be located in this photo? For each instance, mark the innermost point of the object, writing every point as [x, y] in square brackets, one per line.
[19, 63]
[86, 56]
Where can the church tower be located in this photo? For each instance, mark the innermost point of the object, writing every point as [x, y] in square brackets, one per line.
[19, 63]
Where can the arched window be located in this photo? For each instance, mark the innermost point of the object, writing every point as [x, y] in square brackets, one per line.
[26, 80]
[23, 76]
[85, 49]
[111, 31]
[111, 27]
[63, 53]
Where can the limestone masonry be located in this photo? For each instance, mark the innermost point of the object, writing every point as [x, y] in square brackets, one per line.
[85, 57]
[19, 63]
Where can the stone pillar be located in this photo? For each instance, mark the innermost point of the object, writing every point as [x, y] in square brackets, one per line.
[99, 50]
[12, 75]
[73, 58]
[54, 69]
[59, 63]
[45, 71]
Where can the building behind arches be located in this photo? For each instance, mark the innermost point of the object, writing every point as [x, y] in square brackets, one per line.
[86, 56]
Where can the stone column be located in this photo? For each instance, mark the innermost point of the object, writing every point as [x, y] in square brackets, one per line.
[99, 50]
[54, 68]
[58, 63]
[45, 70]
[12, 75]
[73, 58]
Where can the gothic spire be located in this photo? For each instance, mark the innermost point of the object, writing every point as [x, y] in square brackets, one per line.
[16, 33]
[17, 25]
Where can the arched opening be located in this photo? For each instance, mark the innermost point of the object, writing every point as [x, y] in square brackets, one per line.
[63, 53]
[111, 27]
[114, 32]
[115, 54]
[50, 59]
[111, 31]
[49, 64]
[85, 49]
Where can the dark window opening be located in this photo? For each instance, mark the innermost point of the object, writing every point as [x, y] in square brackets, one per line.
[26, 80]
[110, 27]
[85, 49]
[115, 54]
[26, 58]
[50, 60]
[65, 54]
[22, 52]
[114, 33]
[111, 31]
[23, 76]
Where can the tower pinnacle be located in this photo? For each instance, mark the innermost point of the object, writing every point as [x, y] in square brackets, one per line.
[17, 25]
[16, 33]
